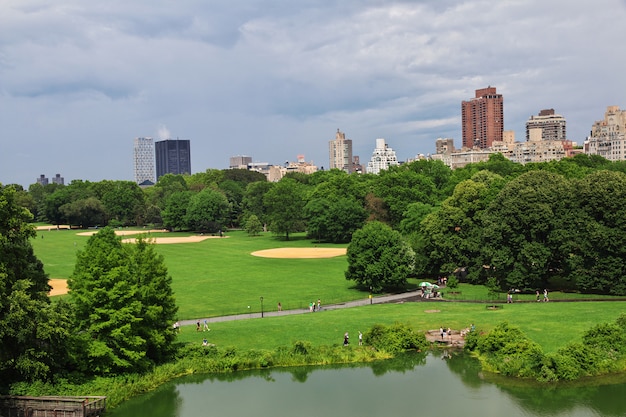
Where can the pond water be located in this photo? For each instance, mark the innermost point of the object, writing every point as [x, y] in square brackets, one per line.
[435, 384]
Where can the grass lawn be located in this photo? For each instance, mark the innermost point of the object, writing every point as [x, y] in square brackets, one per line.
[552, 325]
[219, 277]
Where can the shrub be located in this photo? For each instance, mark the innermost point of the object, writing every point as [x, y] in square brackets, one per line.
[395, 338]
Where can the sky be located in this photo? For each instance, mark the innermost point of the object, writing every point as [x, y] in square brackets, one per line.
[273, 79]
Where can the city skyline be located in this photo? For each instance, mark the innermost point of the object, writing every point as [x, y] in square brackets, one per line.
[276, 79]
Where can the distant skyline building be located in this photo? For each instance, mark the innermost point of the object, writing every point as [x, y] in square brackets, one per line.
[482, 119]
[340, 153]
[546, 126]
[607, 136]
[173, 156]
[239, 162]
[382, 158]
[143, 150]
[58, 179]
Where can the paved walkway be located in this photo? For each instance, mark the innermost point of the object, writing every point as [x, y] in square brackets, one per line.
[348, 304]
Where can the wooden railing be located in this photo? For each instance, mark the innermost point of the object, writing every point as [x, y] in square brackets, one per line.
[17, 406]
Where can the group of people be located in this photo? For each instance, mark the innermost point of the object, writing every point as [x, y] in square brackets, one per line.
[315, 307]
[346, 339]
[205, 328]
[545, 295]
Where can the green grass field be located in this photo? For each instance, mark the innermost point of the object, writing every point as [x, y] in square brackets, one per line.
[219, 277]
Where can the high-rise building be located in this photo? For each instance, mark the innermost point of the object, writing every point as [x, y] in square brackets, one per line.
[546, 126]
[173, 156]
[43, 180]
[340, 153]
[483, 119]
[239, 162]
[382, 158]
[58, 179]
[608, 136]
[144, 161]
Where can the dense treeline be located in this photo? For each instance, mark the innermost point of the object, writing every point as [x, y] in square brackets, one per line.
[557, 225]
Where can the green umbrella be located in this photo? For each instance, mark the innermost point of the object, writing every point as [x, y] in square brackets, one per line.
[425, 284]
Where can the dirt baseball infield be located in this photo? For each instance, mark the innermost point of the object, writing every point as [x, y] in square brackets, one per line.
[59, 286]
[300, 253]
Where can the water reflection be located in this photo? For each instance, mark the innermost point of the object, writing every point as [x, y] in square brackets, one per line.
[412, 384]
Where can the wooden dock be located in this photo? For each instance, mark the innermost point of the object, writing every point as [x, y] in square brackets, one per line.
[17, 406]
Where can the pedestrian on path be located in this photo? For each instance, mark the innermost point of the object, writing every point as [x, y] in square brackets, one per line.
[198, 326]
[206, 326]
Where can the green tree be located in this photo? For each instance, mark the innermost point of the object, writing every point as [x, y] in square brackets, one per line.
[208, 211]
[32, 332]
[334, 219]
[525, 228]
[597, 249]
[285, 203]
[379, 258]
[174, 213]
[124, 203]
[253, 200]
[123, 305]
[253, 225]
[84, 213]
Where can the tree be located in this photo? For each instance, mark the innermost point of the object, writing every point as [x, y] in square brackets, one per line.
[597, 249]
[124, 202]
[208, 211]
[174, 213]
[285, 203]
[379, 258]
[84, 212]
[253, 200]
[334, 219]
[525, 228]
[253, 225]
[123, 305]
[32, 332]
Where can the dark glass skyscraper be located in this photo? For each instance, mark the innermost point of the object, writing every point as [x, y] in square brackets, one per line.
[172, 157]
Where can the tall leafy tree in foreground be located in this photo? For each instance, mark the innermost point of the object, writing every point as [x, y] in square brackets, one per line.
[32, 332]
[123, 304]
[379, 258]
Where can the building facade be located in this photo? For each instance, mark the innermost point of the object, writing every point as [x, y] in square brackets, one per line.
[173, 156]
[382, 158]
[608, 136]
[239, 162]
[340, 153]
[546, 126]
[144, 161]
[482, 119]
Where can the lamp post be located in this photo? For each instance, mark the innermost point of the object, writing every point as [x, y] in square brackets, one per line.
[261, 307]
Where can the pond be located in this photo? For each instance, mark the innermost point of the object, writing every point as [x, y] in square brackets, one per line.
[434, 384]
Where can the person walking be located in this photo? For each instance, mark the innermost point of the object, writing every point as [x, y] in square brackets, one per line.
[346, 339]
[545, 295]
[198, 326]
[206, 326]
[360, 338]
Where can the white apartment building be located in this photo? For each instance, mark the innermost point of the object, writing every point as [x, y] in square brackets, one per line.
[608, 136]
[144, 161]
[382, 158]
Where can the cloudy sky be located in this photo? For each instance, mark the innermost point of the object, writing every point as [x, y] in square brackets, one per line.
[79, 80]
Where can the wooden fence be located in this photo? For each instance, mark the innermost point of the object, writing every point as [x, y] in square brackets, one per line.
[87, 406]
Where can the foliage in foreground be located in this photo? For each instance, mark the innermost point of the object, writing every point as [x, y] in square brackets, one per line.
[506, 350]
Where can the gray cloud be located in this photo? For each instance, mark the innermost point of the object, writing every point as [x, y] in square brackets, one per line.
[273, 79]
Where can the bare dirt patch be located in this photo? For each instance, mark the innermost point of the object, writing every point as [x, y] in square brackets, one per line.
[432, 311]
[59, 286]
[166, 240]
[300, 253]
[121, 232]
[59, 227]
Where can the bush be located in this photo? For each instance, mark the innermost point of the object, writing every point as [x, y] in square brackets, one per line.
[395, 338]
